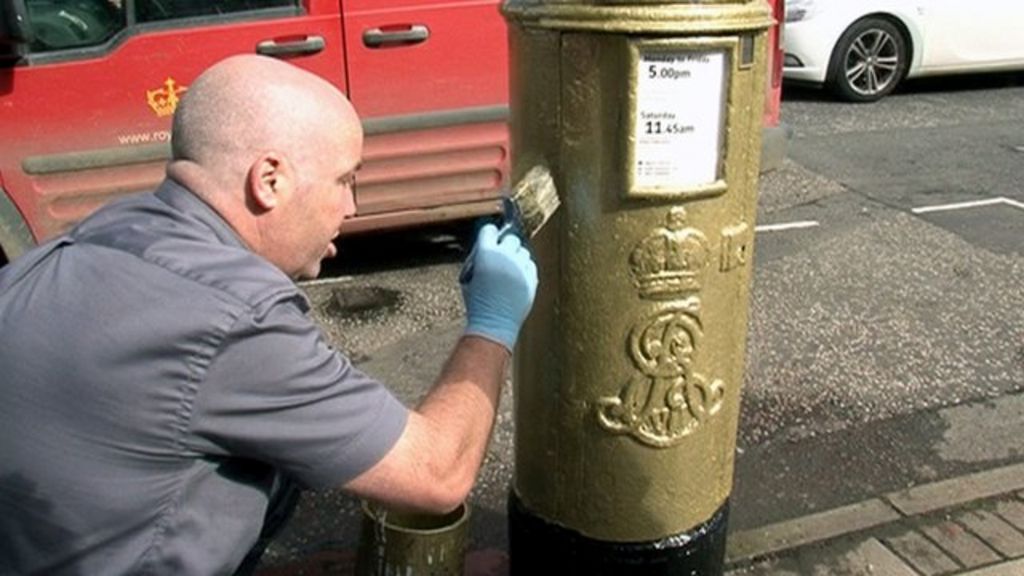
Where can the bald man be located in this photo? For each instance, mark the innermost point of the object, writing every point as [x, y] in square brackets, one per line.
[164, 390]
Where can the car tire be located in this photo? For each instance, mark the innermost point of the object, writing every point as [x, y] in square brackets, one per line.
[870, 59]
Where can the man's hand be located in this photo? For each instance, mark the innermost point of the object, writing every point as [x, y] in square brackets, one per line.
[499, 292]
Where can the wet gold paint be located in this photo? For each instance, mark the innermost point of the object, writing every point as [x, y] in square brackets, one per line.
[628, 371]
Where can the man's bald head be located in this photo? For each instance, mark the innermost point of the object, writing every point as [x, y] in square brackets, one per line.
[244, 105]
[274, 150]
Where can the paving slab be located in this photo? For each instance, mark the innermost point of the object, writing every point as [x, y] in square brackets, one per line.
[962, 545]
[927, 558]
[872, 558]
[1012, 511]
[781, 567]
[995, 531]
[1013, 568]
[867, 557]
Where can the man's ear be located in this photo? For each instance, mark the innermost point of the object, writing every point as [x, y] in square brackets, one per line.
[270, 180]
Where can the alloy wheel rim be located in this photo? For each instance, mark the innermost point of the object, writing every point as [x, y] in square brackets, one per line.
[872, 62]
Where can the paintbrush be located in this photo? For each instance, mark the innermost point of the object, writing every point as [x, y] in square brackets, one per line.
[525, 209]
[530, 205]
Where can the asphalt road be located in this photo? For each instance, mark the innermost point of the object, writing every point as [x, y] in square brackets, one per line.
[886, 343]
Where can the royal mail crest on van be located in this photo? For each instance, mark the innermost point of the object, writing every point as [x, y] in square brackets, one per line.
[164, 100]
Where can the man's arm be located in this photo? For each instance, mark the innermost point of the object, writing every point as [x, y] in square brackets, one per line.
[433, 465]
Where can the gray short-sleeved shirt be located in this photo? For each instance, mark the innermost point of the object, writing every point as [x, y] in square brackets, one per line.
[155, 378]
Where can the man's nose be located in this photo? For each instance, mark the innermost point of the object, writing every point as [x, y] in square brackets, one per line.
[349, 209]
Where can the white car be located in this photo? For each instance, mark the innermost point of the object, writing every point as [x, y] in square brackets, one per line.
[862, 49]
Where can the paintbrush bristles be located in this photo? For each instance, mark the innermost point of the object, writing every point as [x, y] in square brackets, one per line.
[536, 198]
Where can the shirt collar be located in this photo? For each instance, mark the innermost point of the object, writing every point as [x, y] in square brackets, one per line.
[183, 199]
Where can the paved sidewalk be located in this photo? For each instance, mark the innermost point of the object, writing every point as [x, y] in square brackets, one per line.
[967, 526]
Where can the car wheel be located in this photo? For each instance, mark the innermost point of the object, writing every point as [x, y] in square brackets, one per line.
[869, 60]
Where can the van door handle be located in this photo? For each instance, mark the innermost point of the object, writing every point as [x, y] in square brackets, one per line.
[377, 37]
[311, 45]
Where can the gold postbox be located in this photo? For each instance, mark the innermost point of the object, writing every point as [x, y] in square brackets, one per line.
[628, 373]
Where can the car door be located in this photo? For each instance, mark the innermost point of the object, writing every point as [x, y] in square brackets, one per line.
[86, 111]
[983, 34]
[429, 78]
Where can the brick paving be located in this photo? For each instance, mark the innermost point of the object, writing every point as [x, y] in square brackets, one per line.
[969, 526]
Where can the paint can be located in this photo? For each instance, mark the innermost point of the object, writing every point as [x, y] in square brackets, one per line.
[408, 544]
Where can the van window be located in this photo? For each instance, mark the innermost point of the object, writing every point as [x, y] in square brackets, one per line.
[64, 24]
[154, 10]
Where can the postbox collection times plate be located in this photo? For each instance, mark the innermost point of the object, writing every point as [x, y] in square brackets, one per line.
[678, 120]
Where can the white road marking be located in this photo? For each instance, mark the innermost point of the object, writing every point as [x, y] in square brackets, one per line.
[966, 205]
[787, 226]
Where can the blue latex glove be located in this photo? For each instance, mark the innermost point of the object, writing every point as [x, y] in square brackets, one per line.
[499, 280]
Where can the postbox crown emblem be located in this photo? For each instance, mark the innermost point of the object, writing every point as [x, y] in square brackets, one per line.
[669, 262]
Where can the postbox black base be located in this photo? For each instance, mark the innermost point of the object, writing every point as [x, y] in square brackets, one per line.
[538, 547]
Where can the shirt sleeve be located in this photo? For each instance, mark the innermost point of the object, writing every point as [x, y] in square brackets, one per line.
[278, 393]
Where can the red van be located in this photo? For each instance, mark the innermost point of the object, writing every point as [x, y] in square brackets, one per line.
[87, 89]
